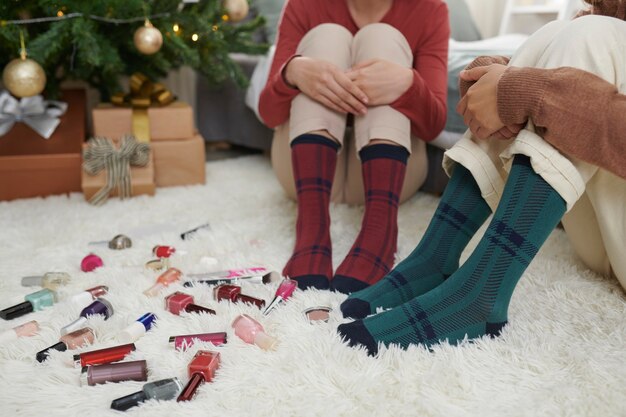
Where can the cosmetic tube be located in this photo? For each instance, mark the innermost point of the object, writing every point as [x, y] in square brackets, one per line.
[231, 273]
[250, 331]
[89, 295]
[28, 329]
[185, 341]
[267, 278]
[165, 279]
[74, 340]
[103, 356]
[137, 328]
[178, 302]
[233, 293]
[114, 372]
[35, 301]
[284, 291]
[161, 251]
[99, 307]
[91, 262]
[164, 389]
[201, 369]
[49, 280]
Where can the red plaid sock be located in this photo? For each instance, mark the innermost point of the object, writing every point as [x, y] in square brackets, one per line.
[314, 159]
[372, 254]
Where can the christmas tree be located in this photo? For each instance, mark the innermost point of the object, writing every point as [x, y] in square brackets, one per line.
[99, 41]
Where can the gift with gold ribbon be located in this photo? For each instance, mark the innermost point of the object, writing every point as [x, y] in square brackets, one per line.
[102, 156]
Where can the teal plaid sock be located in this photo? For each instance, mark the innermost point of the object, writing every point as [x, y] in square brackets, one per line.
[475, 299]
[460, 213]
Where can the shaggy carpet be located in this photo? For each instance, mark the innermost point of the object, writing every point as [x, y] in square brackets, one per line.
[563, 353]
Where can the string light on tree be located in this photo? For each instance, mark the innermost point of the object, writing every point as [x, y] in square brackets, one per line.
[24, 77]
[237, 9]
[148, 39]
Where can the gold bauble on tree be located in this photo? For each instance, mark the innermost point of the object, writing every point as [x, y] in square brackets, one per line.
[237, 9]
[24, 77]
[148, 39]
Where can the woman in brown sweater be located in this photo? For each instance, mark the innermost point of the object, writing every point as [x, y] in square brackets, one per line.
[546, 144]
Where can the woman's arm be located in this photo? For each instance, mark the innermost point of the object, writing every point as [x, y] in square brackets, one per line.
[425, 100]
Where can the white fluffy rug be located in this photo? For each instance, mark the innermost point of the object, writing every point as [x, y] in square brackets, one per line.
[563, 354]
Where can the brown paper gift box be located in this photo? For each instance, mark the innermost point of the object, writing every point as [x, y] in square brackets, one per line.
[31, 166]
[141, 180]
[179, 162]
[174, 121]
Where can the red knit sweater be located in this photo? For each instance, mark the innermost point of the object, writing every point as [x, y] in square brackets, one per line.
[425, 25]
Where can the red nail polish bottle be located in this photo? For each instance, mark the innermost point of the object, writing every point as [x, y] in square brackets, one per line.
[178, 302]
[233, 293]
[102, 356]
[201, 369]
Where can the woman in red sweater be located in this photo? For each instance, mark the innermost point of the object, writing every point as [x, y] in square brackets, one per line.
[384, 64]
[546, 144]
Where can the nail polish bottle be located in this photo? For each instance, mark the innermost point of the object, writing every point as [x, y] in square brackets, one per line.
[137, 328]
[99, 307]
[163, 251]
[165, 279]
[284, 291]
[114, 372]
[201, 369]
[49, 280]
[74, 340]
[35, 301]
[91, 262]
[28, 329]
[233, 294]
[184, 342]
[267, 278]
[102, 356]
[164, 389]
[178, 302]
[250, 331]
[85, 297]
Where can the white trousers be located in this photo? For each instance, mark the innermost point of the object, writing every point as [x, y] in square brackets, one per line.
[595, 221]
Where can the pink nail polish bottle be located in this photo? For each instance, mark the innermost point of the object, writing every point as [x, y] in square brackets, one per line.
[250, 331]
[28, 329]
[164, 280]
[201, 369]
[284, 291]
[184, 342]
[73, 340]
[91, 262]
[233, 294]
[85, 297]
[178, 302]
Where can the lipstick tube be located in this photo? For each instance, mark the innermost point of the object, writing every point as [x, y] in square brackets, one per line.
[233, 294]
[137, 328]
[284, 291]
[251, 331]
[164, 280]
[267, 278]
[201, 369]
[163, 251]
[184, 342]
[28, 329]
[74, 340]
[99, 307]
[178, 302]
[35, 301]
[103, 356]
[49, 280]
[114, 372]
[164, 389]
[91, 262]
[90, 294]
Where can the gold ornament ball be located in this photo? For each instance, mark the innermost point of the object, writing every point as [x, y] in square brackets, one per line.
[24, 77]
[148, 39]
[237, 9]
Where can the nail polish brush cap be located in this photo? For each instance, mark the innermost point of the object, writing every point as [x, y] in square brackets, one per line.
[42, 355]
[17, 310]
[129, 401]
[137, 328]
[32, 281]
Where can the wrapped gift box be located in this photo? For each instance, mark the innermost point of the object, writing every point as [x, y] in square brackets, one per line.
[31, 166]
[142, 181]
[174, 121]
[179, 162]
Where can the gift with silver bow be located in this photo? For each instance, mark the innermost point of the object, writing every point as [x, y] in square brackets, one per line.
[40, 115]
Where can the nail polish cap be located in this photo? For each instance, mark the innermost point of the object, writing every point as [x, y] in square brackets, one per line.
[137, 328]
[79, 323]
[32, 281]
[42, 355]
[265, 341]
[82, 298]
[129, 401]
[17, 310]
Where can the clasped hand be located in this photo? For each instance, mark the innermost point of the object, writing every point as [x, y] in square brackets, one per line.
[479, 106]
[374, 82]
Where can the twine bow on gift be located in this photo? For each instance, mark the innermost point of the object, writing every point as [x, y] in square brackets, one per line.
[143, 94]
[40, 115]
[101, 153]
